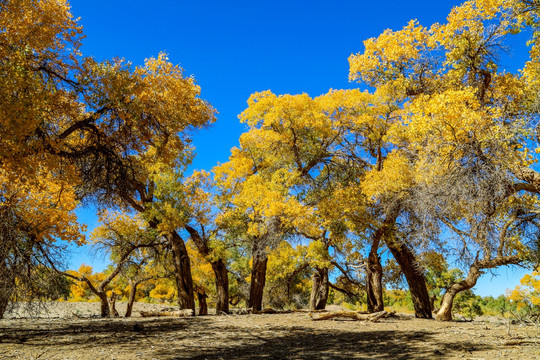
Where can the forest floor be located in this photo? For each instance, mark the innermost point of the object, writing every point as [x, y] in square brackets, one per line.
[72, 331]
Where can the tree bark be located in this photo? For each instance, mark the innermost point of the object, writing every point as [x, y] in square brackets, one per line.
[374, 288]
[182, 266]
[131, 299]
[112, 300]
[105, 309]
[319, 289]
[222, 286]
[203, 307]
[374, 271]
[6, 287]
[258, 277]
[475, 271]
[447, 302]
[219, 268]
[4, 301]
[415, 279]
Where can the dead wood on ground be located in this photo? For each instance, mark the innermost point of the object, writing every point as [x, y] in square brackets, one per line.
[175, 313]
[351, 315]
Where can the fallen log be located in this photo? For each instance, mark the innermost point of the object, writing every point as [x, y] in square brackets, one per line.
[176, 313]
[350, 315]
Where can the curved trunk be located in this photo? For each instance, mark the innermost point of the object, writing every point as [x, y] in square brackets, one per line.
[415, 279]
[445, 312]
[222, 286]
[182, 267]
[374, 288]
[258, 277]
[319, 289]
[131, 299]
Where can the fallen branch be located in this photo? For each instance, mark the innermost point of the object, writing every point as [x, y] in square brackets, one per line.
[350, 315]
[520, 342]
[177, 313]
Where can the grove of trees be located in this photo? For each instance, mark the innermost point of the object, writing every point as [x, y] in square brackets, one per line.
[431, 163]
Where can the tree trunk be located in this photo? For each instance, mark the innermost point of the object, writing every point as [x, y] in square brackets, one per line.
[182, 266]
[219, 268]
[4, 301]
[131, 299]
[6, 285]
[112, 300]
[415, 279]
[105, 309]
[319, 289]
[374, 288]
[258, 277]
[222, 286]
[445, 312]
[203, 307]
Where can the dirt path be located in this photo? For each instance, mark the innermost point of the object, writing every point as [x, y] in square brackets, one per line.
[277, 336]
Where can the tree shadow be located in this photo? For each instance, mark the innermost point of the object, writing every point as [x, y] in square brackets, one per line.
[209, 338]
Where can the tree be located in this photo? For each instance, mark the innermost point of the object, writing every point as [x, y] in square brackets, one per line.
[130, 242]
[117, 125]
[463, 120]
[33, 216]
[527, 296]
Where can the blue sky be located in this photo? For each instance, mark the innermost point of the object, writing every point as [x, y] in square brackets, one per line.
[235, 48]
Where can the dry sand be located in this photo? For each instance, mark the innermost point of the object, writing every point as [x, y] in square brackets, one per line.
[58, 334]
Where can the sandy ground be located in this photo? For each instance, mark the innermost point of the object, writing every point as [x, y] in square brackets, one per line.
[59, 334]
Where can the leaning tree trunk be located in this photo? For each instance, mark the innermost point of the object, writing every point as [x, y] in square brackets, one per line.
[182, 266]
[222, 286]
[258, 277]
[319, 289]
[131, 299]
[445, 312]
[415, 279]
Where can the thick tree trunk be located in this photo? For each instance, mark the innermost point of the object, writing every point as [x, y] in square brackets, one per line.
[374, 288]
[182, 266]
[258, 277]
[222, 286]
[319, 289]
[131, 298]
[203, 307]
[415, 279]
[105, 309]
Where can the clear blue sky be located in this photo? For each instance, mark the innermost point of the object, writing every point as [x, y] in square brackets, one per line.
[235, 48]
